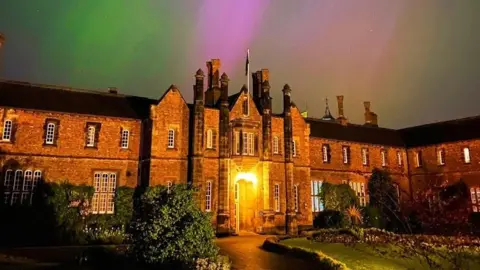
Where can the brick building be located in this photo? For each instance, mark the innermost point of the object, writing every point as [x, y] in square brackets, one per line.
[256, 170]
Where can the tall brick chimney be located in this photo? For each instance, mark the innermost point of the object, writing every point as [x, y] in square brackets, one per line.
[371, 118]
[213, 92]
[257, 84]
[198, 87]
[341, 116]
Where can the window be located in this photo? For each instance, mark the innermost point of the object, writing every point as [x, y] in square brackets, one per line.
[237, 143]
[418, 159]
[317, 204]
[7, 130]
[50, 134]
[208, 197]
[171, 138]
[466, 155]
[209, 139]
[383, 154]
[245, 143]
[275, 145]
[91, 136]
[441, 156]
[124, 138]
[276, 197]
[326, 153]
[475, 197]
[295, 197]
[294, 148]
[245, 107]
[399, 158]
[20, 187]
[251, 144]
[103, 200]
[359, 189]
[346, 154]
[365, 156]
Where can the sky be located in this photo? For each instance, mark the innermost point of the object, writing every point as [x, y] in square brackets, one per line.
[416, 61]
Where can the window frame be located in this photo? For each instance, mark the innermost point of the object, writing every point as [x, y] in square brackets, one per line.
[124, 139]
[316, 188]
[399, 159]
[295, 198]
[475, 198]
[208, 197]
[441, 157]
[171, 138]
[466, 155]
[209, 139]
[91, 134]
[383, 157]
[345, 154]
[325, 153]
[103, 200]
[364, 152]
[238, 142]
[275, 145]
[50, 133]
[8, 128]
[294, 148]
[418, 159]
[276, 197]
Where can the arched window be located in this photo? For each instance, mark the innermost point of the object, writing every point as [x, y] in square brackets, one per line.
[245, 107]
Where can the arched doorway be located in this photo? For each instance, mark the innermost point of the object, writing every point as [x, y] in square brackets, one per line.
[245, 202]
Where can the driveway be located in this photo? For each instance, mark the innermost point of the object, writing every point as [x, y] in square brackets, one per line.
[246, 253]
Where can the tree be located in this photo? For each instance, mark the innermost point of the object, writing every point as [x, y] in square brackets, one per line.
[168, 228]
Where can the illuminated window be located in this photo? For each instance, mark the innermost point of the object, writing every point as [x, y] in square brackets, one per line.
[441, 156]
[317, 205]
[359, 189]
[346, 154]
[91, 136]
[251, 144]
[245, 143]
[171, 138]
[399, 158]
[237, 143]
[326, 153]
[209, 139]
[103, 201]
[50, 134]
[275, 145]
[208, 197]
[365, 156]
[124, 138]
[7, 130]
[418, 159]
[475, 197]
[466, 155]
[295, 197]
[383, 154]
[276, 197]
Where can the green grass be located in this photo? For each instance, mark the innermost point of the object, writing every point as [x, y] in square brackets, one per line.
[360, 256]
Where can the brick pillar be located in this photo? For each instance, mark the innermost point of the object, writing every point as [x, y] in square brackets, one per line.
[196, 157]
[223, 214]
[290, 217]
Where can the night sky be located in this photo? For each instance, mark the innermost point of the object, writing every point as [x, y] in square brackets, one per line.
[417, 61]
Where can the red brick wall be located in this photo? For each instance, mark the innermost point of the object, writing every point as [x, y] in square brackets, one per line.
[169, 164]
[431, 173]
[70, 159]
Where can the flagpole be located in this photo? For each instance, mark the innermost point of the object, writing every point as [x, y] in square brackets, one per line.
[248, 71]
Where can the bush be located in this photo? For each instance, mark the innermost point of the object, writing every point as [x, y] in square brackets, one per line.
[168, 228]
[372, 217]
[331, 219]
[337, 197]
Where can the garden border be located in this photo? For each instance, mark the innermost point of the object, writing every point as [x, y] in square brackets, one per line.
[273, 244]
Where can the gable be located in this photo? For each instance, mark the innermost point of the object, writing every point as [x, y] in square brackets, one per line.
[236, 110]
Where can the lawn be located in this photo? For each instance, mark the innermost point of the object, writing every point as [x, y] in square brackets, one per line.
[360, 256]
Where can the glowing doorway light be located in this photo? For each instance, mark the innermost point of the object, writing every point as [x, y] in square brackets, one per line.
[249, 177]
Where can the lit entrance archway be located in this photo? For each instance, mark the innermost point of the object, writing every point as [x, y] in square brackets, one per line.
[245, 202]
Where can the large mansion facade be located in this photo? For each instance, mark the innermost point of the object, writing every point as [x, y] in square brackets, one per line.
[255, 170]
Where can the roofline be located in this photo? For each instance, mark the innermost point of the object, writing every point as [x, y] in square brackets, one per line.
[348, 124]
[443, 122]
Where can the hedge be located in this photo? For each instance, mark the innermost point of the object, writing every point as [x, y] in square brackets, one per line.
[322, 260]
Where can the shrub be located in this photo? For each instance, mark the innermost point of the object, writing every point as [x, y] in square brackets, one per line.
[330, 219]
[373, 218]
[168, 228]
[337, 197]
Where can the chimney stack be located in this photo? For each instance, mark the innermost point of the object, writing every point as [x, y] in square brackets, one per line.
[371, 118]
[198, 87]
[213, 92]
[224, 88]
[287, 103]
[341, 116]
[112, 90]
